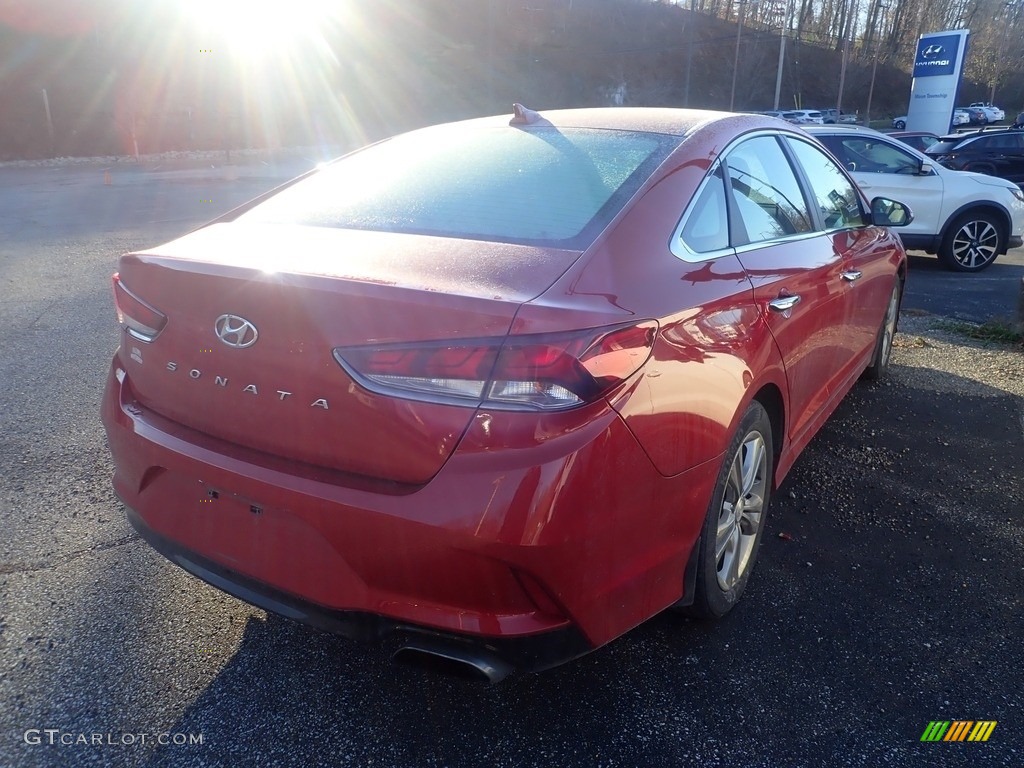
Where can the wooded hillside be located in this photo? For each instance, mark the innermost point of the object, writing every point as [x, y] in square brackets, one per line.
[125, 73]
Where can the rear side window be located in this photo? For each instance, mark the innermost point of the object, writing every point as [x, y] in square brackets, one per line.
[706, 228]
[538, 186]
[1000, 141]
[835, 196]
[766, 191]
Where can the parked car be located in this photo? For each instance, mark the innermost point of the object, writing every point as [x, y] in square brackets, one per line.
[993, 113]
[966, 218]
[804, 117]
[919, 140]
[830, 116]
[961, 116]
[976, 115]
[500, 388]
[998, 152]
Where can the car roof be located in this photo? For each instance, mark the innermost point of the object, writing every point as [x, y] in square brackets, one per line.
[843, 128]
[974, 133]
[665, 120]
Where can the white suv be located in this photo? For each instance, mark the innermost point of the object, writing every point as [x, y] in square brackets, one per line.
[968, 219]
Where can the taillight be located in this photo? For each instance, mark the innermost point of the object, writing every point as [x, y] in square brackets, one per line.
[539, 372]
[139, 319]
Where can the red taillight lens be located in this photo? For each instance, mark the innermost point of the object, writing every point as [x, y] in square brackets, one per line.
[540, 372]
[139, 319]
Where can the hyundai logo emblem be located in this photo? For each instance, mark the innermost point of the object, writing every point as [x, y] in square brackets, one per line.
[235, 331]
[932, 51]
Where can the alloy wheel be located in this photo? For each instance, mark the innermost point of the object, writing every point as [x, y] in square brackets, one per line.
[889, 329]
[739, 519]
[975, 244]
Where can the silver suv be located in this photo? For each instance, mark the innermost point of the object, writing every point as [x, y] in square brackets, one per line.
[968, 219]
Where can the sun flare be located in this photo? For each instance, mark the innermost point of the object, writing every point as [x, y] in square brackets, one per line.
[254, 28]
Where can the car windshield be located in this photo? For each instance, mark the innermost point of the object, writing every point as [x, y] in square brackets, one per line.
[538, 186]
[940, 147]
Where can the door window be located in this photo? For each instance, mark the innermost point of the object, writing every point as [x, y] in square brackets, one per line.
[766, 192]
[834, 194]
[870, 155]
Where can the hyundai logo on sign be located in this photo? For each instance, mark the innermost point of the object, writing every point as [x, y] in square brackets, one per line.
[936, 56]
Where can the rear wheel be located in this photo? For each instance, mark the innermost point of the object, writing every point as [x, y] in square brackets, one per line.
[735, 518]
[973, 242]
[900, 125]
[883, 345]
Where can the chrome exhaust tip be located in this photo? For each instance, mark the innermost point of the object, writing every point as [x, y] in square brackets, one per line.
[465, 664]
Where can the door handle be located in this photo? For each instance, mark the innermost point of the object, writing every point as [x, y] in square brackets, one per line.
[784, 303]
[852, 276]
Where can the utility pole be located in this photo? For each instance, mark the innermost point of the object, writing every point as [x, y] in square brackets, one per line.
[49, 119]
[736, 60]
[871, 88]
[689, 54]
[846, 56]
[782, 51]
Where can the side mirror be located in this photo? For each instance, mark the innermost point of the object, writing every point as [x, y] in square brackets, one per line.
[889, 213]
[926, 169]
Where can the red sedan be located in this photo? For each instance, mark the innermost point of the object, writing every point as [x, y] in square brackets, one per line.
[500, 390]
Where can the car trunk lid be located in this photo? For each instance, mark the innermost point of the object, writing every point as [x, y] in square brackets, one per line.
[253, 313]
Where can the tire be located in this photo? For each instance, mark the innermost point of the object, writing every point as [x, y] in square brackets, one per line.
[735, 519]
[883, 344]
[900, 125]
[973, 242]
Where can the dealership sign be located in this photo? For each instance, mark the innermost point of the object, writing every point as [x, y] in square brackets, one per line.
[937, 66]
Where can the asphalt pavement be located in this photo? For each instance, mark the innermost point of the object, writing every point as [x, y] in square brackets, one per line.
[887, 594]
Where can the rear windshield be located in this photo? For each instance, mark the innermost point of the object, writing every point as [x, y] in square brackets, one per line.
[941, 147]
[539, 186]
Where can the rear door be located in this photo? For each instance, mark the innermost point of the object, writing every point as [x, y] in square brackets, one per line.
[795, 272]
[868, 255]
[1013, 156]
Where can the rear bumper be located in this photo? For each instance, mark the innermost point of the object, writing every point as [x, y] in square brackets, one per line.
[530, 653]
[538, 554]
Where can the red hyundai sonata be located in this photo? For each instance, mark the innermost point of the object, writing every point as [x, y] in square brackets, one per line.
[500, 390]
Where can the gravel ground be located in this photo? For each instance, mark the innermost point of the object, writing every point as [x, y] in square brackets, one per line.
[887, 595]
